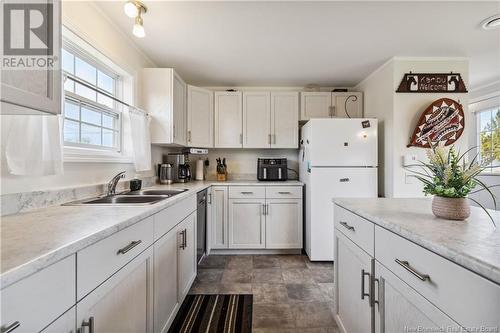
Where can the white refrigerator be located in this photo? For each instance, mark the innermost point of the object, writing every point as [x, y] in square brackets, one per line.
[337, 159]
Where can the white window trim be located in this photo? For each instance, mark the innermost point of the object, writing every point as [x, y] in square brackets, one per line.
[73, 154]
[479, 105]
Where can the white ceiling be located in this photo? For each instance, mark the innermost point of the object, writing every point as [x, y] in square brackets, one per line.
[297, 43]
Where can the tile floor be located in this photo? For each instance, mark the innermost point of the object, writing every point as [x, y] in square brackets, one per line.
[291, 294]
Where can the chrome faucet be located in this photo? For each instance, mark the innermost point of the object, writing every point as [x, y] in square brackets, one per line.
[113, 182]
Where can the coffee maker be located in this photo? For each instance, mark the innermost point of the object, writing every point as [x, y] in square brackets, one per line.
[181, 170]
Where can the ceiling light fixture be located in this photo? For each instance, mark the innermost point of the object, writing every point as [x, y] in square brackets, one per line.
[492, 22]
[138, 29]
[135, 9]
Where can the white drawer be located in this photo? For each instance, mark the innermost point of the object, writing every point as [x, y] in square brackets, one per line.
[100, 260]
[39, 299]
[356, 228]
[469, 299]
[168, 218]
[247, 192]
[279, 192]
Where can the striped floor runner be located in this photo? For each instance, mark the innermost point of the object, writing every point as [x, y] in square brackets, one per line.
[214, 314]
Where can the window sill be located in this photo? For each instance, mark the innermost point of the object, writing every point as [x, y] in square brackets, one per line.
[84, 155]
[489, 174]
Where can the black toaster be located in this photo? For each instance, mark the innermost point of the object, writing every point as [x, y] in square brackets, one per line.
[272, 169]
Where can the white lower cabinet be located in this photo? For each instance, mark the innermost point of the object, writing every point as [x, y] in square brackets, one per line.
[166, 301]
[256, 217]
[247, 223]
[284, 223]
[353, 269]
[123, 303]
[186, 254]
[399, 308]
[34, 302]
[218, 226]
[63, 324]
[404, 287]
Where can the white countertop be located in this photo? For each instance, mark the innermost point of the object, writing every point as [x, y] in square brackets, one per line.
[34, 240]
[473, 244]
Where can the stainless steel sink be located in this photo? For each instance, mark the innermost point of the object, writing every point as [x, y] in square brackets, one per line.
[169, 193]
[133, 198]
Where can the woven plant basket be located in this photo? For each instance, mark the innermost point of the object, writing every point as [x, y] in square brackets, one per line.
[451, 208]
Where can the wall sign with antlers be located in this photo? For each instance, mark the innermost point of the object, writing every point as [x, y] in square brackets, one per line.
[432, 83]
[442, 122]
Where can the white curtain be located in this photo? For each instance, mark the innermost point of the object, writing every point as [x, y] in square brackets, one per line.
[33, 145]
[141, 139]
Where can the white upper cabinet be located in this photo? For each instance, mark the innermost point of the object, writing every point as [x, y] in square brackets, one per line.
[315, 105]
[228, 119]
[163, 95]
[331, 104]
[284, 119]
[179, 110]
[347, 104]
[200, 117]
[33, 91]
[256, 119]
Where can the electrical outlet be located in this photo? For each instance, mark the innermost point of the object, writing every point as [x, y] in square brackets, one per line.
[409, 178]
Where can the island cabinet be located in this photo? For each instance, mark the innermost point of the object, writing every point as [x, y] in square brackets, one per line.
[386, 283]
[256, 217]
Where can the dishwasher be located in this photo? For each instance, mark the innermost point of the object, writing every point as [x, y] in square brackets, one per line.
[201, 224]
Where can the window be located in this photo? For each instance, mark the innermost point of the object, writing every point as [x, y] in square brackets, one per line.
[91, 119]
[488, 122]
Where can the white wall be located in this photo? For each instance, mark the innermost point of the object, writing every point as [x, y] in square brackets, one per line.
[87, 21]
[379, 103]
[409, 107]
[399, 114]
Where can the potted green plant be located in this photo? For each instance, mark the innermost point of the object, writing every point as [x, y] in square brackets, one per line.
[450, 178]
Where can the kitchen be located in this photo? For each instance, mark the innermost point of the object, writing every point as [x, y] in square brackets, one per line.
[246, 186]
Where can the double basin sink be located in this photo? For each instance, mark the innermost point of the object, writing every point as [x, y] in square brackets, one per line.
[134, 198]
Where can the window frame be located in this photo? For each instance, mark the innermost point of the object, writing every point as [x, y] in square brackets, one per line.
[80, 100]
[477, 136]
[78, 153]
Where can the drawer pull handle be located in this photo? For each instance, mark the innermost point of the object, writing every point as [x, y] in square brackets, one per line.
[406, 265]
[363, 274]
[89, 324]
[287, 192]
[347, 226]
[129, 247]
[246, 192]
[11, 327]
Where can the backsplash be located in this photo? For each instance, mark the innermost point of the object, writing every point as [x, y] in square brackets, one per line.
[15, 203]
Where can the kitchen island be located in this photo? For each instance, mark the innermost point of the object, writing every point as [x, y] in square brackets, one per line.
[415, 270]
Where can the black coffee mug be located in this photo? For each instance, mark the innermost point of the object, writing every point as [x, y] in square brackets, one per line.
[135, 184]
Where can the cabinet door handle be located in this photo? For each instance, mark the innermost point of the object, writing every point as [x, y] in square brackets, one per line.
[89, 324]
[189, 136]
[269, 139]
[246, 192]
[406, 265]
[11, 327]
[363, 274]
[185, 238]
[182, 240]
[210, 198]
[285, 192]
[129, 247]
[347, 226]
[241, 138]
[274, 138]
